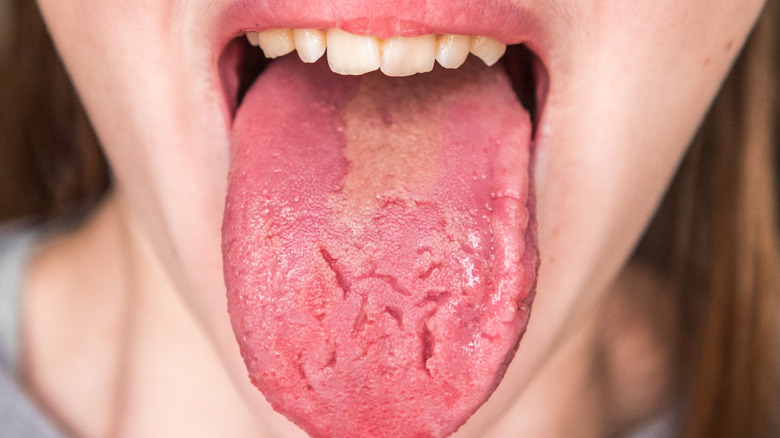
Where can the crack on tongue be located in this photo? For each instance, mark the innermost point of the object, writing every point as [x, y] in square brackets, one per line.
[379, 245]
[427, 350]
[341, 279]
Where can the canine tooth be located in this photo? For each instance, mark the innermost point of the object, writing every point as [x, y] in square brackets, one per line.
[405, 56]
[276, 42]
[452, 50]
[350, 54]
[253, 38]
[487, 49]
[310, 44]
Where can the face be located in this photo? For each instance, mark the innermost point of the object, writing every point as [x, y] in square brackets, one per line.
[622, 86]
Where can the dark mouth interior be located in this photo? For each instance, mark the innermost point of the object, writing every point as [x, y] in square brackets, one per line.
[241, 64]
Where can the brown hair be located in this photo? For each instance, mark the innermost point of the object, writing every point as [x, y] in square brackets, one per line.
[715, 233]
[51, 162]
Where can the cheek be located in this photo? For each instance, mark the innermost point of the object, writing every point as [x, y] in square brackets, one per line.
[161, 125]
[624, 102]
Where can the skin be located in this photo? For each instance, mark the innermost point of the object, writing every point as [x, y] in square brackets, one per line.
[136, 297]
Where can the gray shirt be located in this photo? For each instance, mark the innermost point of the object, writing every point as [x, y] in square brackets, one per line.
[19, 417]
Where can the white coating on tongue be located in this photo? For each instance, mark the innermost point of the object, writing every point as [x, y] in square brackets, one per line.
[379, 245]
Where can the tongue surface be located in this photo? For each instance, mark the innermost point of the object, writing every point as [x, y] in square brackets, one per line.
[379, 245]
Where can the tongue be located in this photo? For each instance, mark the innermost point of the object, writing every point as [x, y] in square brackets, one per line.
[379, 245]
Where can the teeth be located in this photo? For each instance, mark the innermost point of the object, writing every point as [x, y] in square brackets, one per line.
[407, 56]
[253, 38]
[452, 50]
[351, 54]
[276, 42]
[310, 44]
[487, 49]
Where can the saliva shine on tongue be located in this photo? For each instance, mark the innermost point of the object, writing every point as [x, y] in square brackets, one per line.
[379, 245]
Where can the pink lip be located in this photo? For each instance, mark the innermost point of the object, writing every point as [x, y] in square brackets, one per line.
[500, 19]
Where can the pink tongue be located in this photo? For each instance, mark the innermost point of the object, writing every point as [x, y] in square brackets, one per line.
[379, 245]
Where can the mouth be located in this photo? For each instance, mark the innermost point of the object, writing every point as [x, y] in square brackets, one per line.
[517, 45]
[373, 289]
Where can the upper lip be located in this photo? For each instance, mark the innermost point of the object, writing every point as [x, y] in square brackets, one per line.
[500, 19]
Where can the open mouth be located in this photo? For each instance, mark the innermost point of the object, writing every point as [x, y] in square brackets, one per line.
[243, 61]
[379, 236]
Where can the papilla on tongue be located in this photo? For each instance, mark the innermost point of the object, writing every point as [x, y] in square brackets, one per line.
[379, 245]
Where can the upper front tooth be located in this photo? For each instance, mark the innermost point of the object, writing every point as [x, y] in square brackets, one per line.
[406, 56]
[487, 49]
[350, 54]
[276, 42]
[452, 50]
[253, 38]
[310, 44]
